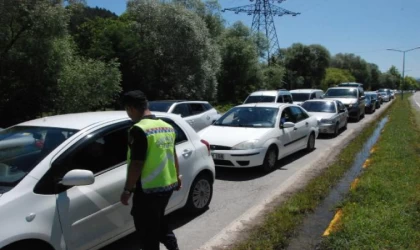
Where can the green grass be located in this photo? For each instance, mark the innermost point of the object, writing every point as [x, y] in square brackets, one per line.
[383, 211]
[279, 225]
[222, 108]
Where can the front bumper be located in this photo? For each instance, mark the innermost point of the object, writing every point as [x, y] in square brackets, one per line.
[239, 158]
[326, 128]
[353, 111]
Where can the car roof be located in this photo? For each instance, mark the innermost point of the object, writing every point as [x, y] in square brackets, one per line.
[269, 92]
[178, 101]
[343, 88]
[79, 121]
[305, 90]
[265, 105]
[321, 100]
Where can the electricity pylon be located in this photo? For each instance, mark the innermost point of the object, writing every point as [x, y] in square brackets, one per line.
[263, 12]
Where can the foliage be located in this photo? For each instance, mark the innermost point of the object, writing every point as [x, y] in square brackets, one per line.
[306, 65]
[335, 76]
[174, 56]
[241, 73]
[357, 66]
[84, 84]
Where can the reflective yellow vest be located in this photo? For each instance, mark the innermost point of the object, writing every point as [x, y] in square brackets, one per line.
[159, 172]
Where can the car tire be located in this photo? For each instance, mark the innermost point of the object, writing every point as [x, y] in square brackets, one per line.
[336, 129]
[201, 193]
[345, 125]
[310, 146]
[28, 244]
[357, 119]
[270, 159]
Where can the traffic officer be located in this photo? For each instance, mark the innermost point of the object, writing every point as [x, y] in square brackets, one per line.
[153, 172]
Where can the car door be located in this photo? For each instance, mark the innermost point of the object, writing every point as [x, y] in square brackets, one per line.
[343, 116]
[287, 135]
[199, 116]
[187, 154]
[302, 127]
[93, 214]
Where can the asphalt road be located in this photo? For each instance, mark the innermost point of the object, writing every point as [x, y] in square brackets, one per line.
[236, 191]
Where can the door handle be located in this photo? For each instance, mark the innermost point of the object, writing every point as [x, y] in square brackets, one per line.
[295, 128]
[186, 152]
[307, 123]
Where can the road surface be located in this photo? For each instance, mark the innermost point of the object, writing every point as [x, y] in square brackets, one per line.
[236, 191]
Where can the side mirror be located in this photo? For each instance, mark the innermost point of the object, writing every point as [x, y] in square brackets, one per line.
[78, 177]
[287, 125]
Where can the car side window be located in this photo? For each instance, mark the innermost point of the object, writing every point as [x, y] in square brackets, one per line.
[299, 114]
[280, 99]
[313, 96]
[101, 153]
[207, 106]
[180, 134]
[196, 108]
[287, 99]
[182, 109]
[287, 116]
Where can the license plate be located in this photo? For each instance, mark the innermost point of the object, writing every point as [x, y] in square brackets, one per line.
[218, 156]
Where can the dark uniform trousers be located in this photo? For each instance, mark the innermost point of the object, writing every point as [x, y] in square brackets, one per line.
[151, 224]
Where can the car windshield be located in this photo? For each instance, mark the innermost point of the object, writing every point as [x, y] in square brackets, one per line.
[260, 98]
[255, 117]
[300, 97]
[160, 106]
[343, 93]
[327, 107]
[23, 147]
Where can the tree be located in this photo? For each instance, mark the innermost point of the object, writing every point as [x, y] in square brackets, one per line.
[27, 73]
[375, 77]
[83, 84]
[356, 65]
[174, 55]
[305, 65]
[336, 76]
[410, 83]
[240, 72]
[273, 76]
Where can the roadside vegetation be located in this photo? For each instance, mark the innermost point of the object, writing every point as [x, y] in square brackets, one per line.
[280, 224]
[383, 210]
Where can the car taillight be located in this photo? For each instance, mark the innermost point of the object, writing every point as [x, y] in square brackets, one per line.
[207, 145]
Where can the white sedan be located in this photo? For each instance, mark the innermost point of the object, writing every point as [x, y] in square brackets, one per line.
[331, 114]
[259, 134]
[61, 178]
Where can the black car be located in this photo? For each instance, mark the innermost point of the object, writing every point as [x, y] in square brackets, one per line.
[371, 101]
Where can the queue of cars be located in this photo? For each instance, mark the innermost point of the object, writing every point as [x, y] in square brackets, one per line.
[61, 176]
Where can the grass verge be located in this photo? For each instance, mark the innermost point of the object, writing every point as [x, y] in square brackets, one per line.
[279, 225]
[383, 211]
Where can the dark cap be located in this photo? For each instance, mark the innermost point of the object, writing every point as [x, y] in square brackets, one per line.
[136, 99]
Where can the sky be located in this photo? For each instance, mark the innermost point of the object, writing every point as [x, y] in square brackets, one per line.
[364, 27]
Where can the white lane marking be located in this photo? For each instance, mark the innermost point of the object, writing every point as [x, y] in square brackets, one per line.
[417, 104]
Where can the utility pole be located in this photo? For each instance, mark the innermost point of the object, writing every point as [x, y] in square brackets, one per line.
[403, 69]
[263, 12]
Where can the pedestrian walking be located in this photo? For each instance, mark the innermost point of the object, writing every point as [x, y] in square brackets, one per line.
[152, 174]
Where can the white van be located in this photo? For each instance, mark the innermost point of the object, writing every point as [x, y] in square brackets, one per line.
[301, 95]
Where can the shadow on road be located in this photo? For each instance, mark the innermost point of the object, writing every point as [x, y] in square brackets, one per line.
[176, 220]
[247, 174]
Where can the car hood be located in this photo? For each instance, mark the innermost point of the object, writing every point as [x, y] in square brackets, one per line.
[345, 101]
[231, 136]
[322, 115]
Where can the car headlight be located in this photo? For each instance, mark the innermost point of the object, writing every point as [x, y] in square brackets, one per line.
[246, 145]
[327, 121]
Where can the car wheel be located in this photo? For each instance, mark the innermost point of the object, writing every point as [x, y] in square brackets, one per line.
[270, 159]
[311, 143]
[345, 125]
[200, 194]
[357, 117]
[336, 129]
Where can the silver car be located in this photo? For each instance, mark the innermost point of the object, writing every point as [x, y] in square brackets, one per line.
[332, 115]
[199, 114]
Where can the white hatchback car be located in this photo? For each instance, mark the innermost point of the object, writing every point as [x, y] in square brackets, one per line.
[61, 178]
[199, 114]
[259, 134]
